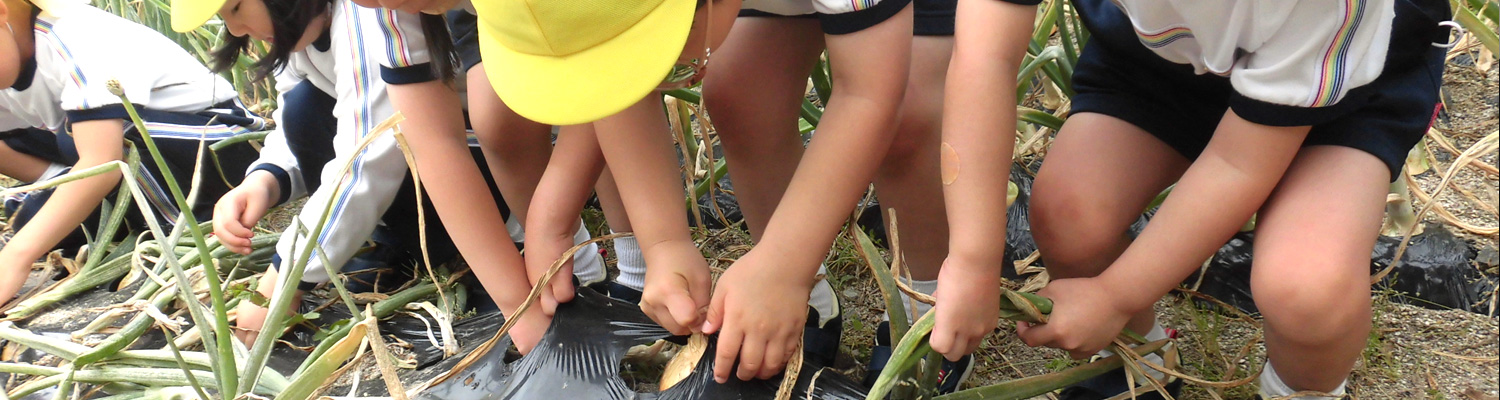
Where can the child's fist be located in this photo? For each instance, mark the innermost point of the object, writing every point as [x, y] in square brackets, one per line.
[677, 288]
[968, 306]
[236, 214]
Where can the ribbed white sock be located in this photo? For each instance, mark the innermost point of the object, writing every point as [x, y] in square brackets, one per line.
[823, 299]
[1156, 333]
[588, 266]
[631, 262]
[1271, 387]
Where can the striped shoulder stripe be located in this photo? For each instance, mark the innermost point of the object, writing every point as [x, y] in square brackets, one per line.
[1331, 78]
[44, 28]
[395, 40]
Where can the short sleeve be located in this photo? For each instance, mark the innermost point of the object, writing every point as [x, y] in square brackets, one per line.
[406, 59]
[1301, 72]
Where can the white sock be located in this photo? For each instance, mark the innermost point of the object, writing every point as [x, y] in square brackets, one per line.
[588, 266]
[1271, 387]
[514, 228]
[631, 262]
[823, 299]
[1156, 333]
[53, 170]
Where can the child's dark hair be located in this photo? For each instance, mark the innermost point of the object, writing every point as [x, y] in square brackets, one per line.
[290, 18]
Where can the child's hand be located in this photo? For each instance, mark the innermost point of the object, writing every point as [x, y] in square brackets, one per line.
[236, 214]
[1085, 318]
[677, 288]
[968, 306]
[529, 330]
[250, 318]
[759, 316]
[13, 273]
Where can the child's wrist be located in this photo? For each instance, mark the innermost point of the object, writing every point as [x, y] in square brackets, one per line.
[1130, 297]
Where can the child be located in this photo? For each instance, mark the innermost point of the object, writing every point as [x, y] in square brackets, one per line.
[56, 63]
[602, 82]
[795, 205]
[905, 181]
[365, 100]
[1298, 112]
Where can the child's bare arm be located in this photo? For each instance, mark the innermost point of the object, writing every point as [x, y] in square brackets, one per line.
[1218, 193]
[979, 117]
[98, 142]
[435, 131]
[639, 151]
[760, 304]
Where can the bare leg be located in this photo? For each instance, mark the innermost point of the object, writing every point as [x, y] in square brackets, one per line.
[516, 148]
[754, 95]
[908, 177]
[1098, 177]
[1311, 272]
[21, 166]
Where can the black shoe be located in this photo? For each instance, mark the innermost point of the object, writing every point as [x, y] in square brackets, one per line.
[951, 375]
[820, 344]
[378, 268]
[1114, 383]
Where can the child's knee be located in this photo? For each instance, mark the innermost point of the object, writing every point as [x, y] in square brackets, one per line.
[1067, 222]
[1313, 313]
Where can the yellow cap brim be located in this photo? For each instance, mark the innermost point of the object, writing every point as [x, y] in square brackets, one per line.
[591, 84]
[188, 15]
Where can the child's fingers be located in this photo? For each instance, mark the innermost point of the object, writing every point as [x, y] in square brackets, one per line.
[1036, 335]
[715, 317]
[683, 310]
[752, 357]
[547, 302]
[562, 285]
[729, 348]
[942, 342]
[776, 356]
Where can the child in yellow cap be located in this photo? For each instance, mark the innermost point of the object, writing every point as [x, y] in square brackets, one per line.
[603, 83]
[57, 63]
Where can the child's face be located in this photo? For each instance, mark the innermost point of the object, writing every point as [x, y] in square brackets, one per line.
[251, 17]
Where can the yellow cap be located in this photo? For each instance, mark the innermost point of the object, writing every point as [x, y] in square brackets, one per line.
[188, 15]
[566, 62]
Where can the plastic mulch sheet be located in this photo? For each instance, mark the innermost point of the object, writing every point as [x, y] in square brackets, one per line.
[580, 358]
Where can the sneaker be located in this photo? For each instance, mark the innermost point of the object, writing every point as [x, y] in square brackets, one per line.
[951, 375]
[1114, 383]
[820, 344]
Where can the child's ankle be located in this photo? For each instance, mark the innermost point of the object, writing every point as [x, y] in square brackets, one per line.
[631, 262]
[1271, 387]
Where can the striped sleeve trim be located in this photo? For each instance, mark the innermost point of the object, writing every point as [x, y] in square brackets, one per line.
[1333, 75]
[396, 41]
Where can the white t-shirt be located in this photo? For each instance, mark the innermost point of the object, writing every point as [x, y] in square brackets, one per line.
[1302, 53]
[78, 54]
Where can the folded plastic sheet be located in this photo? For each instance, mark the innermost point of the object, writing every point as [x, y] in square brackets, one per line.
[580, 358]
[1435, 272]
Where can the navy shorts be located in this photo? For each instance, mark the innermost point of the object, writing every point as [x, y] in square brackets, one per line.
[1118, 76]
[849, 22]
